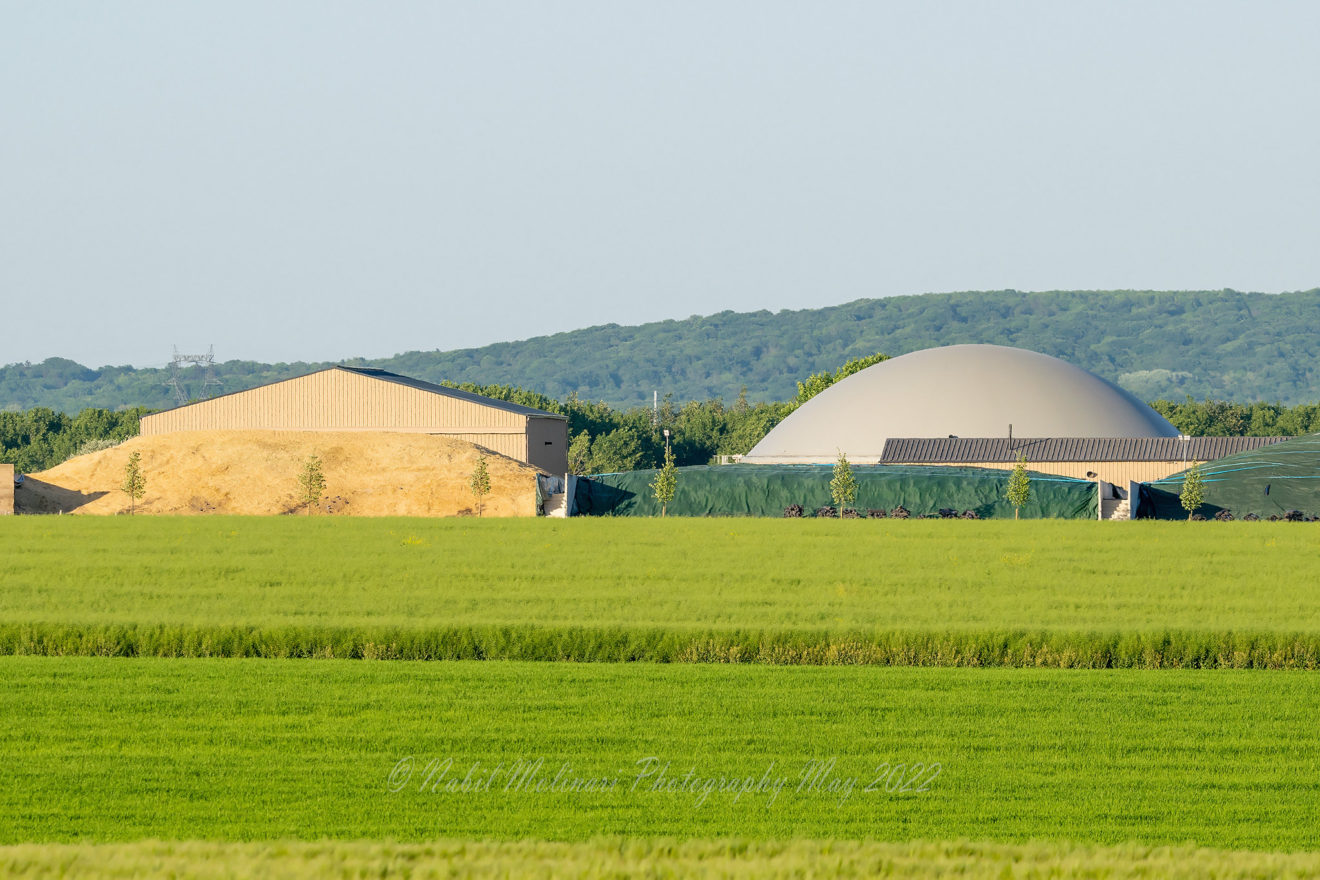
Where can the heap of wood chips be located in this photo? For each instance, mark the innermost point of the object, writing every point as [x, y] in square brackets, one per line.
[256, 472]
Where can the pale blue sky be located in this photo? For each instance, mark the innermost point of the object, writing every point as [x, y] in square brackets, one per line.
[314, 181]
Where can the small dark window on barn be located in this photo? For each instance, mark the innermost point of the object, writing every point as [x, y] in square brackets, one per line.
[549, 443]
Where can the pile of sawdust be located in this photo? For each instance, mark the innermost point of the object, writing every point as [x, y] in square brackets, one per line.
[256, 472]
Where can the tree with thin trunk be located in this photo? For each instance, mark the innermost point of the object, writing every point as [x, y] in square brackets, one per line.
[135, 483]
[666, 481]
[1019, 486]
[1192, 495]
[480, 482]
[843, 488]
[579, 453]
[311, 483]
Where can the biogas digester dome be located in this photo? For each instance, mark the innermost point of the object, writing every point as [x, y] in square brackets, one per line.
[960, 391]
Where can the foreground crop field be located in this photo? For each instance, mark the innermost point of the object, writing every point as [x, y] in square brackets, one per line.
[151, 731]
[119, 749]
[926, 592]
[625, 857]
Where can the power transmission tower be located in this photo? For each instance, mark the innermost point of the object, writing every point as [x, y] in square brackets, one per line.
[209, 382]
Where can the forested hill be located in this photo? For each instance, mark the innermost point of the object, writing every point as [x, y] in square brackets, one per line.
[1221, 344]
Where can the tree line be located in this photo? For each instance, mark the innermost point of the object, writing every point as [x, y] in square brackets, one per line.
[1156, 344]
[40, 438]
[603, 439]
[1218, 418]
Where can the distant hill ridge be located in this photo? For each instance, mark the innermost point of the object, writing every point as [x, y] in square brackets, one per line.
[1220, 344]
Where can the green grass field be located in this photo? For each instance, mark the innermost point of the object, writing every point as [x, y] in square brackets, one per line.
[108, 749]
[136, 741]
[925, 592]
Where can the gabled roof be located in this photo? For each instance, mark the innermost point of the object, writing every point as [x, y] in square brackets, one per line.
[493, 403]
[934, 450]
[386, 376]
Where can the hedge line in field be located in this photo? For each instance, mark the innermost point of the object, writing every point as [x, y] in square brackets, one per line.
[1019, 649]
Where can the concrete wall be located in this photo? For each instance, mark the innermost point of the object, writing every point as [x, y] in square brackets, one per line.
[6, 489]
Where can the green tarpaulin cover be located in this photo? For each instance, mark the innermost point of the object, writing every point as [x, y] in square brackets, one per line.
[766, 489]
[1268, 481]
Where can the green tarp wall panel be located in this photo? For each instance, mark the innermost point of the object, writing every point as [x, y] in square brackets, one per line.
[1268, 481]
[766, 489]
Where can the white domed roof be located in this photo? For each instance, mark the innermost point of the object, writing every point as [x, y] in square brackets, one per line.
[963, 391]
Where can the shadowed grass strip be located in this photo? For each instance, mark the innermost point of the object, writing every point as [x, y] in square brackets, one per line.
[1020, 649]
[620, 857]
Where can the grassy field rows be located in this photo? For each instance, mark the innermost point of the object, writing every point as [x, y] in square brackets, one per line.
[579, 644]
[648, 859]
[107, 750]
[1171, 734]
[946, 593]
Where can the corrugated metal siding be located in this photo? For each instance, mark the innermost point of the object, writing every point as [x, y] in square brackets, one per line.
[6, 489]
[984, 450]
[337, 400]
[1120, 473]
[421, 384]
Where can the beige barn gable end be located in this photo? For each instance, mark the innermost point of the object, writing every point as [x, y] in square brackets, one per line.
[355, 399]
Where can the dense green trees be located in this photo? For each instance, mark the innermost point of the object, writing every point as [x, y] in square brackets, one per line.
[1218, 418]
[606, 440]
[64, 385]
[1212, 344]
[818, 382]
[603, 439]
[41, 438]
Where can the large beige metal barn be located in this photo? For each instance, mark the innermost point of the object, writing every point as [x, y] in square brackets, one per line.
[6, 489]
[358, 399]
